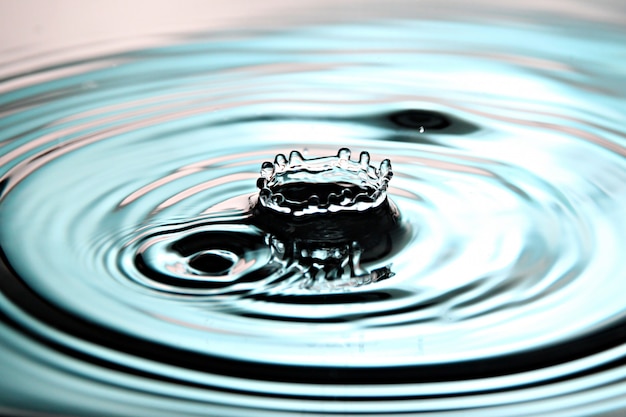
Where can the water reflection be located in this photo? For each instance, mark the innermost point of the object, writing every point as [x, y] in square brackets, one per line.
[136, 273]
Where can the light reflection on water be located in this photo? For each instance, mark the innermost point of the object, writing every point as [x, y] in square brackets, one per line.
[506, 297]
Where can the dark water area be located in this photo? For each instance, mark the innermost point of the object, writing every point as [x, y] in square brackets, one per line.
[399, 217]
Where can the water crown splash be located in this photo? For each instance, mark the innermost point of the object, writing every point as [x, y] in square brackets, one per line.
[302, 186]
[327, 214]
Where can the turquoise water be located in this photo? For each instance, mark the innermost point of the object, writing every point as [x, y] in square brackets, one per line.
[504, 291]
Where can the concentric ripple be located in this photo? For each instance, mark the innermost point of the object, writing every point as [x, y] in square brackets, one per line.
[136, 281]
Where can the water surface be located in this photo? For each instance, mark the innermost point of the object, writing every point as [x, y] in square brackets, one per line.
[506, 298]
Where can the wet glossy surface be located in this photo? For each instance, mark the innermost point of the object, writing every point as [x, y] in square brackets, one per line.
[507, 290]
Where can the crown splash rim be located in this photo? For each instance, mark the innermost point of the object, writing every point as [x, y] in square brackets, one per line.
[330, 184]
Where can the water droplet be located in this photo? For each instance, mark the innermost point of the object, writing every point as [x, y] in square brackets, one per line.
[364, 160]
[267, 170]
[295, 158]
[385, 169]
[280, 161]
[344, 154]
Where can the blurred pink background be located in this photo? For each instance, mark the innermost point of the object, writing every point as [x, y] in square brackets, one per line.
[35, 33]
[24, 23]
